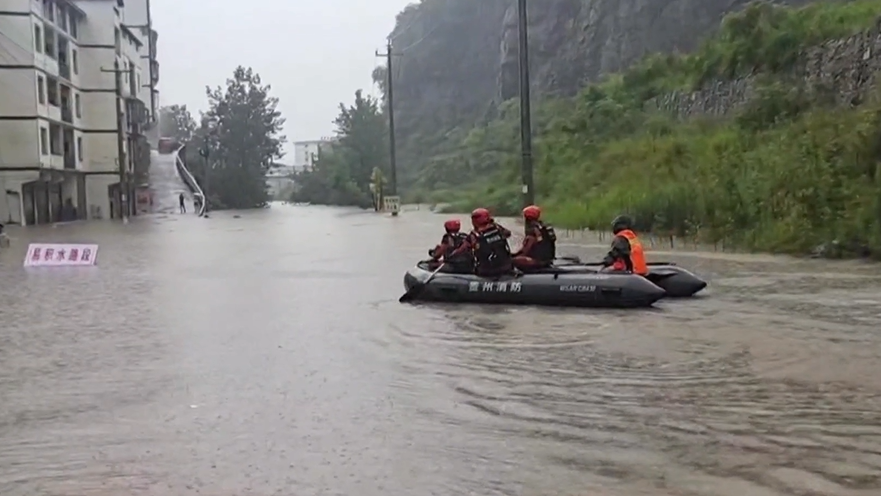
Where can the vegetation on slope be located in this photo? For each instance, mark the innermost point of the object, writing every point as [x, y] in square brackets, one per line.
[788, 172]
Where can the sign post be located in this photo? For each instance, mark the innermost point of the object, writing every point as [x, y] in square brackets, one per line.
[392, 204]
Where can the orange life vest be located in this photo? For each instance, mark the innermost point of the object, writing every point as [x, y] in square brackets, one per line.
[637, 255]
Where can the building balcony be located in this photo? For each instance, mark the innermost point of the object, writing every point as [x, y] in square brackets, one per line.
[67, 115]
[64, 70]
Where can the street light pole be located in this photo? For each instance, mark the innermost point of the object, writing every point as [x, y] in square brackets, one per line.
[526, 168]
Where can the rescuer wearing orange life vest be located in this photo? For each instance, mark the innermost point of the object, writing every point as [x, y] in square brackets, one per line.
[539, 243]
[453, 238]
[626, 253]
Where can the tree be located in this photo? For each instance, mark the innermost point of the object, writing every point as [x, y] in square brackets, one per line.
[342, 174]
[240, 133]
[175, 121]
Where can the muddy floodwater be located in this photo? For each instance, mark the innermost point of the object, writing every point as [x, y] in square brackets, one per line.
[268, 355]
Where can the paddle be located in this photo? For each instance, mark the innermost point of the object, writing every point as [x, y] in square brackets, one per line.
[417, 288]
[571, 259]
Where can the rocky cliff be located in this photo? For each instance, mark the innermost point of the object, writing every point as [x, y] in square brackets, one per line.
[459, 57]
[847, 69]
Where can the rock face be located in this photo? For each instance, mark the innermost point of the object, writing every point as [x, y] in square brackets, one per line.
[573, 42]
[847, 68]
[460, 56]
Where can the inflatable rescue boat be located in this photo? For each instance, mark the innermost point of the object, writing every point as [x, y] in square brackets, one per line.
[571, 284]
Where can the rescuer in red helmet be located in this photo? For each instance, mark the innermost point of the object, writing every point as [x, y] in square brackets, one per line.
[452, 239]
[539, 242]
[488, 244]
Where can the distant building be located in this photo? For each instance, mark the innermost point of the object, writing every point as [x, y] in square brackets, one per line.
[306, 152]
[280, 181]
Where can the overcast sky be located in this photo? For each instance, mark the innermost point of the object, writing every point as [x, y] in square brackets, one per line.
[314, 53]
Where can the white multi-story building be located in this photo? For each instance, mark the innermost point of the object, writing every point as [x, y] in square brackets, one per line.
[306, 152]
[61, 143]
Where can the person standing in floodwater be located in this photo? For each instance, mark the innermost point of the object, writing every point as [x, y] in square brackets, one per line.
[183, 206]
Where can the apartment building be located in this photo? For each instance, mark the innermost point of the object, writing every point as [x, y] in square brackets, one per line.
[306, 152]
[71, 110]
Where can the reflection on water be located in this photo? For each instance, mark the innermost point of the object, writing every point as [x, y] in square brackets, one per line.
[268, 355]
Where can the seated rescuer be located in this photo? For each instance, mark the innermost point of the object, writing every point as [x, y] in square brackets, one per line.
[488, 244]
[626, 253]
[451, 240]
[539, 244]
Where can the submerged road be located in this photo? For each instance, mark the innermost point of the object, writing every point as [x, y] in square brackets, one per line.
[268, 355]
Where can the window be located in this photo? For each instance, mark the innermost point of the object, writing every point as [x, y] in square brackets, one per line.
[79, 149]
[75, 61]
[41, 90]
[49, 43]
[73, 26]
[52, 92]
[79, 106]
[44, 141]
[38, 39]
[138, 79]
[117, 40]
[61, 16]
[125, 66]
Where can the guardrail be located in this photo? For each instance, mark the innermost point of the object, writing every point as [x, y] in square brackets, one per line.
[188, 178]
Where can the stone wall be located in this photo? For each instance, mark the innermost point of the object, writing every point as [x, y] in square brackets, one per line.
[847, 67]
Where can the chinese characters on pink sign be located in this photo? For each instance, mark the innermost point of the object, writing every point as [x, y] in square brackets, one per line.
[58, 255]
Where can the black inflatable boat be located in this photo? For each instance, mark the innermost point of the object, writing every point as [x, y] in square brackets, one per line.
[569, 285]
[676, 281]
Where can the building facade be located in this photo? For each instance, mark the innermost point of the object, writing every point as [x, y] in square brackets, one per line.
[72, 110]
[306, 152]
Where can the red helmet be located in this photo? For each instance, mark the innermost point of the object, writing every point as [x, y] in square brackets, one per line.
[532, 213]
[480, 217]
[452, 226]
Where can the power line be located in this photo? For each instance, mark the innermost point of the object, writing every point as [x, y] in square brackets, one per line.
[420, 40]
[404, 30]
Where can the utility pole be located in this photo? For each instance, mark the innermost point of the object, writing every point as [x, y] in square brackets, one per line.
[525, 109]
[121, 138]
[390, 95]
[151, 52]
[204, 153]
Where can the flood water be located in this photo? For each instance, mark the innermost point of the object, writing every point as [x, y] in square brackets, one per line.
[268, 355]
